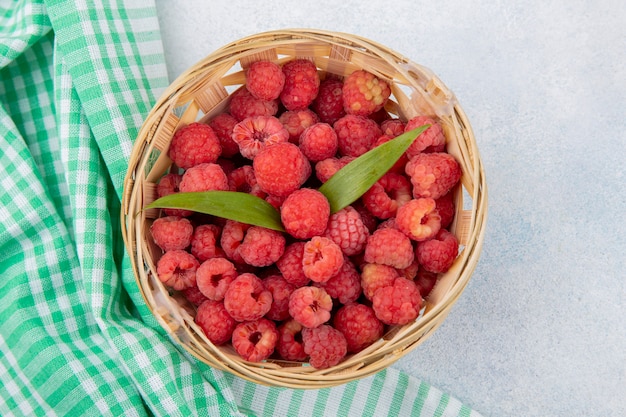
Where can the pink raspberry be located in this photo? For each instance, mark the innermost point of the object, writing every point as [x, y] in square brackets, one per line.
[255, 340]
[446, 209]
[438, 253]
[389, 193]
[223, 125]
[433, 174]
[328, 167]
[399, 303]
[305, 213]
[431, 140]
[318, 142]
[419, 219]
[242, 179]
[375, 277]
[246, 298]
[328, 104]
[193, 295]
[356, 134]
[281, 291]
[281, 169]
[215, 322]
[214, 276]
[325, 345]
[177, 269]
[233, 234]
[289, 345]
[168, 184]
[194, 144]
[310, 306]
[393, 127]
[346, 229]
[204, 242]
[425, 281]
[297, 121]
[171, 232]
[254, 134]
[345, 285]
[265, 80]
[322, 259]
[290, 265]
[302, 84]
[243, 105]
[204, 177]
[261, 246]
[364, 93]
[359, 325]
[389, 247]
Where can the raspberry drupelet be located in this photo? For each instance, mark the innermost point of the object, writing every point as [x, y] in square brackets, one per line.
[194, 144]
[215, 322]
[255, 340]
[214, 276]
[419, 219]
[310, 306]
[177, 269]
[246, 298]
[171, 232]
[305, 213]
[325, 345]
[359, 325]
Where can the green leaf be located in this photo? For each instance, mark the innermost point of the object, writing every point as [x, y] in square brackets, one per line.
[241, 207]
[354, 179]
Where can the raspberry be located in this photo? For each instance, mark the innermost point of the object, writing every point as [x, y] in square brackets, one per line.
[410, 272]
[233, 234]
[375, 277]
[425, 281]
[302, 84]
[275, 200]
[290, 265]
[438, 253]
[215, 322]
[389, 193]
[393, 127]
[446, 209]
[242, 179]
[345, 285]
[325, 345]
[177, 269]
[214, 276]
[243, 104]
[430, 140]
[419, 219]
[389, 247]
[281, 169]
[204, 177]
[380, 116]
[322, 259]
[223, 125]
[171, 232]
[254, 134]
[433, 174]
[255, 340]
[204, 242]
[289, 345]
[310, 306]
[168, 184]
[246, 298]
[356, 134]
[369, 220]
[261, 246]
[296, 122]
[304, 213]
[364, 93]
[193, 295]
[265, 80]
[194, 144]
[328, 167]
[318, 142]
[359, 325]
[328, 104]
[281, 290]
[397, 304]
[346, 229]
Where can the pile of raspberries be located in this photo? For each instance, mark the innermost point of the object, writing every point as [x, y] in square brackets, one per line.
[334, 282]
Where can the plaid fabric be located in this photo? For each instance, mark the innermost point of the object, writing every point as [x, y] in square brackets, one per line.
[76, 80]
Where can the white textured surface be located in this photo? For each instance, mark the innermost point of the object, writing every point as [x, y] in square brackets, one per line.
[540, 329]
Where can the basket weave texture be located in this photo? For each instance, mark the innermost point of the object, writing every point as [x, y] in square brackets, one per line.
[203, 92]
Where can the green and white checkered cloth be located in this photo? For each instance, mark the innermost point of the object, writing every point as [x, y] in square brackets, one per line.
[77, 79]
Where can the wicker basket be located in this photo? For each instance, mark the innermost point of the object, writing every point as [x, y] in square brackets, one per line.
[203, 92]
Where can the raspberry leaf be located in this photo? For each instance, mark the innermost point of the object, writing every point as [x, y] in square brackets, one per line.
[354, 179]
[238, 206]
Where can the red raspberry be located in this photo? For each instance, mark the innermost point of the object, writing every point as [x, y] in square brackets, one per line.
[328, 104]
[214, 276]
[215, 322]
[393, 127]
[193, 295]
[243, 105]
[168, 184]
[275, 200]
[359, 325]
[281, 291]
[254, 134]
[369, 220]
[399, 303]
[261, 246]
[246, 298]
[171, 232]
[419, 219]
[255, 340]
[389, 193]
[430, 140]
[356, 134]
[328, 167]
[322, 259]
[446, 209]
[289, 345]
[410, 272]
[177, 269]
[233, 234]
[438, 253]
[346, 229]
[265, 80]
[302, 84]
[223, 125]
[297, 121]
[325, 345]
[433, 174]
[389, 247]
[290, 265]
[364, 93]
[242, 179]
[380, 116]
[425, 281]
[204, 177]
[375, 277]
[304, 213]
[345, 285]
[310, 306]
[281, 169]
[318, 142]
[194, 144]
[204, 242]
